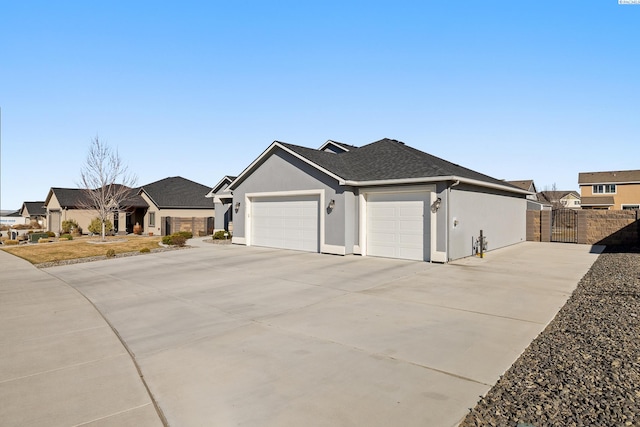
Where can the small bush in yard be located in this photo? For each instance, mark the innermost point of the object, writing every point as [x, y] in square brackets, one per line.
[10, 242]
[111, 253]
[43, 240]
[96, 226]
[145, 250]
[185, 234]
[179, 241]
[69, 226]
[219, 235]
[51, 234]
[66, 237]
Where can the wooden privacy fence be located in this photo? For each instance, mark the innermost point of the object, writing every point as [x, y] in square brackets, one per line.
[602, 227]
[199, 226]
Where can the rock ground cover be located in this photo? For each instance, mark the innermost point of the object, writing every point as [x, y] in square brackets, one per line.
[584, 368]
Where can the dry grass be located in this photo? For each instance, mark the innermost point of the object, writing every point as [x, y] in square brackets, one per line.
[80, 248]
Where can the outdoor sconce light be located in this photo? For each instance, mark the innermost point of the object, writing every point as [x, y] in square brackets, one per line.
[436, 205]
[237, 207]
[332, 204]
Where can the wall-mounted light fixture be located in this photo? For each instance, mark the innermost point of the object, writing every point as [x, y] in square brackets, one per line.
[237, 206]
[332, 204]
[436, 205]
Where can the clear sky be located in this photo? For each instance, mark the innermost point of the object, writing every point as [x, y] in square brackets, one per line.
[514, 89]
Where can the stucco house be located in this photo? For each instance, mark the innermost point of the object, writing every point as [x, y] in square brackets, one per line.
[567, 199]
[532, 199]
[383, 199]
[615, 190]
[64, 204]
[34, 211]
[222, 202]
[174, 201]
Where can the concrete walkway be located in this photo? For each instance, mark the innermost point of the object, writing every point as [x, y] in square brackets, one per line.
[61, 364]
[233, 335]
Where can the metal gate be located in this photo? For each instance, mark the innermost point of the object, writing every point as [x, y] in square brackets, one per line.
[564, 225]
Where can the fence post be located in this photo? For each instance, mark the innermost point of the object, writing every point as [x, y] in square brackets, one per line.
[545, 226]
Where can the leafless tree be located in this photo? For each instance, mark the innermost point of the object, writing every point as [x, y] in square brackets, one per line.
[106, 182]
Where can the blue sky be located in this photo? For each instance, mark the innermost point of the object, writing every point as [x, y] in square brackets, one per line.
[517, 90]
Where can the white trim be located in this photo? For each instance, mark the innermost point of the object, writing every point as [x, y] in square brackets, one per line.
[357, 250]
[433, 180]
[247, 212]
[608, 182]
[362, 209]
[330, 142]
[268, 151]
[239, 240]
[333, 249]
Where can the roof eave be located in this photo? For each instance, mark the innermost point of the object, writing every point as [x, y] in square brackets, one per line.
[421, 180]
[249, 169]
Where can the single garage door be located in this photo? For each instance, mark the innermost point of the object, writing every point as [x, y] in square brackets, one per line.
[285, 222]
[396, 225]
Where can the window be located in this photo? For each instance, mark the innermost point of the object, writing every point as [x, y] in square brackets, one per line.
[604, 189]
[630, 207]
[152, 219]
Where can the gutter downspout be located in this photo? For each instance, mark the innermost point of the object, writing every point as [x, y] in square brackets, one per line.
[449, 187]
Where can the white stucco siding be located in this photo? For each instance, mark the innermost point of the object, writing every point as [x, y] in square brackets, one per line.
[502, 219]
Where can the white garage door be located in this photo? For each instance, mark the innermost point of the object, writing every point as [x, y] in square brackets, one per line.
[395, 225]
[285, 222]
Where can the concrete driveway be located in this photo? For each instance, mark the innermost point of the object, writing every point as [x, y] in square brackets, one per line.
[234, 335]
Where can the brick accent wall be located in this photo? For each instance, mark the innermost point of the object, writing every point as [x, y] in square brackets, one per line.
[602, 227]
[533, 226]
[608, 227]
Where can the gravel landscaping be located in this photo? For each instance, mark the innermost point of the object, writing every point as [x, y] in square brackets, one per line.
[165, 248]
[584, 368]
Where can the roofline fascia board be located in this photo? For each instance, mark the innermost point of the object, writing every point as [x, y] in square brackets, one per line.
[435, 179]
[268, 151]
[330, 142]
[608, 182]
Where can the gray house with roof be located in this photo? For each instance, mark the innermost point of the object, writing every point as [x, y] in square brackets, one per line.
[34, 211]
[175, 197]
[222, 202]
[383, 199]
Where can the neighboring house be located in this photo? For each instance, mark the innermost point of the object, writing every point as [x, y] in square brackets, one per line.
[532, 199]
[34, 211]
[383, 199]
[174, 197]
[11, 218]
[222, 202]
[70, 203]
[560, 199]
[615, 190]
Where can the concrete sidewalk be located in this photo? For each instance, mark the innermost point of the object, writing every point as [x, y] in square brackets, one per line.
[234, 335]
[61, 364]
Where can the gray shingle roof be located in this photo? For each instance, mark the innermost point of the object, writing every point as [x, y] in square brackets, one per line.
[75, 198]
[608, 177]
[178, 192]
[35, 208]
[388, 159]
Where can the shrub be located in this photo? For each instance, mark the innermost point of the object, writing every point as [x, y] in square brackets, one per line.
[145, 250]
[66, 237]
[10, 242]
[178, 240]
[111, 253]
[51, 234]
[185, 234]
[21, 226]
[69, 226]
[175, 239]
[96, 226]
[43, 240]
[219, 235]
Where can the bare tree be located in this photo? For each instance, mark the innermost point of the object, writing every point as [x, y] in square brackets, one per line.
[106, 182]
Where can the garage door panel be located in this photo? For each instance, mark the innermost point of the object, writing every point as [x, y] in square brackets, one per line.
[395, 225]
[286, 222]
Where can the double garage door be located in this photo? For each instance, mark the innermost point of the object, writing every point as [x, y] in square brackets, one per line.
[395, 224]
[286, 222]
